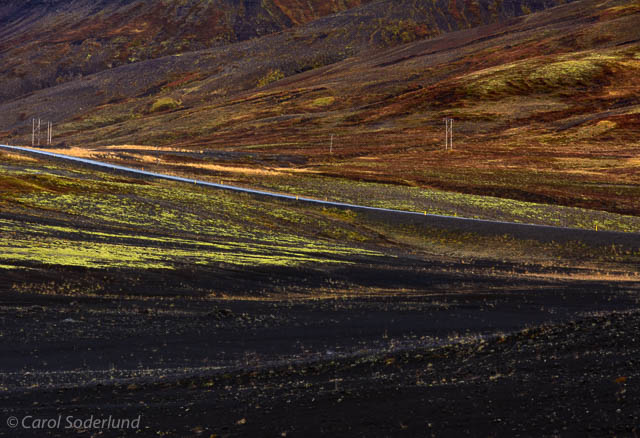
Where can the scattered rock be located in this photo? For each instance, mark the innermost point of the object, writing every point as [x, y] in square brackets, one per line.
[70, 321]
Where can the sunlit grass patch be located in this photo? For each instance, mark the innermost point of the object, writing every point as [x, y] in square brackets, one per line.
[620, 10]
[594, 130]
[8, 267]
[323, 101]
[91, 254]
[15, 157]
[107, 221]
[164, 104]
[270, 77]
[456, 204]
[536, 76]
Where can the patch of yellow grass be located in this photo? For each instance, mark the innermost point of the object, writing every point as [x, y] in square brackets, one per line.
[634, 110]
[617, 11]
[75, 151]
[137, 147]
[153, 159]
[581, 172]
[602, 127]
[271, 76]
[537, 76]
[244, 170]
[586, 166]
[15, 157]
[323, 101]
[593, 276]
[164, 104]
[219, 168]
[522, 106]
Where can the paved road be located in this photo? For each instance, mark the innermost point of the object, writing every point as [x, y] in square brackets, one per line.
[529, 231]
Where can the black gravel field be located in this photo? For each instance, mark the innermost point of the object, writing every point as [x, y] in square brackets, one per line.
[446, 354]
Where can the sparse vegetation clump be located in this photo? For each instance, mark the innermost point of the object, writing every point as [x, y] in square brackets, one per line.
[595, 130]
[531, 77]
[166, 224]
[323, 101]
[164, 104]
[270, 77]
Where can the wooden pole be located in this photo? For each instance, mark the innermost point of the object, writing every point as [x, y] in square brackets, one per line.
[448, 133]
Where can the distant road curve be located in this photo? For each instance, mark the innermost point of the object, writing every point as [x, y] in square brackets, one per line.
[483, 226]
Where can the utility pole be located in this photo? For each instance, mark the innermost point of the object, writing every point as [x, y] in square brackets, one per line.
[36, 132]
[448, 134]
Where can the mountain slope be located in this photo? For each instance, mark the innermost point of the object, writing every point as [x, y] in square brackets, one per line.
[546, 107]
[44, 43]
[47, 42]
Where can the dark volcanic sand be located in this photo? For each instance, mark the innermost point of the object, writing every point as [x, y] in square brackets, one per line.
[442, 354]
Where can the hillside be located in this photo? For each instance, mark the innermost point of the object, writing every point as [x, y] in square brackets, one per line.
[545, 105]
[45, 43]
[502, 300]
[48, 42]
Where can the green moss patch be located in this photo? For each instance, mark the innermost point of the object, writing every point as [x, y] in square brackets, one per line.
[164, 104]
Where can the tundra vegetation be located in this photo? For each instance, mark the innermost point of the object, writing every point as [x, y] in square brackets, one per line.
[216, 313]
